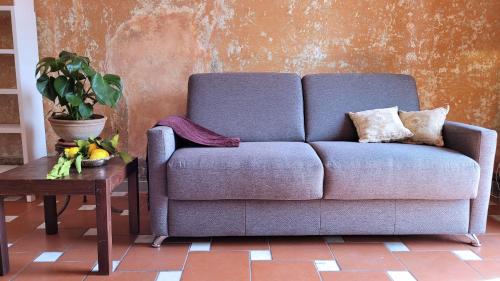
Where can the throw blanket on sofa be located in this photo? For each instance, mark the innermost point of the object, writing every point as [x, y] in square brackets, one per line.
[194, 133]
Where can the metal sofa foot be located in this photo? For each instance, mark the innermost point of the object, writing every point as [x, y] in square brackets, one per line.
[158, 240]
[474, 241]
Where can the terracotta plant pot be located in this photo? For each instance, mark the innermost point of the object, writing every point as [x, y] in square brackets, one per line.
[70, 130]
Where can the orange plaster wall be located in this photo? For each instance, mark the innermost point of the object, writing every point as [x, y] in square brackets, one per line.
[451, 47]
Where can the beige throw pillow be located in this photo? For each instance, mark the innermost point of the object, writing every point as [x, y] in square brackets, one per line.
[379, 125]
[426, 125]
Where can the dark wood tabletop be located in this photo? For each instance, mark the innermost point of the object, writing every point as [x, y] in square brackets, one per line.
[32, 177]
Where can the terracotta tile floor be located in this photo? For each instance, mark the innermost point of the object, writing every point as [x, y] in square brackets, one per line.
[396, 258]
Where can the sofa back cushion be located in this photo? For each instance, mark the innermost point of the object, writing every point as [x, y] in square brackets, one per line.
[329, 97]
[251, 106]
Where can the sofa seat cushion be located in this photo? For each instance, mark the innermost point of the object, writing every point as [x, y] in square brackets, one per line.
[255, 170]
[355, 171]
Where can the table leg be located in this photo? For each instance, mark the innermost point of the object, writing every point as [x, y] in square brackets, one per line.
[4, 249]
[50, 211]
[104, 230]
[133, 201]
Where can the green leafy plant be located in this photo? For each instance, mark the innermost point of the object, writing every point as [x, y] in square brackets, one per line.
[70, 82]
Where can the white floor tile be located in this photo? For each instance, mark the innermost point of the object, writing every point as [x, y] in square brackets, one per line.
[200, 247]
[118, 194]
[48, 257]
[115, 265]
[124, 213]
[401, 276]
[260, 255]
[42, 226]
[333, 239]
[12, 198]
[10, 218]
[169, 276]
[326, 265]
[5, 168]
[396, 247]
[91, 232]
[495, 217]
[144, 239]
[41, 203]
[467, 255]
[87, 208]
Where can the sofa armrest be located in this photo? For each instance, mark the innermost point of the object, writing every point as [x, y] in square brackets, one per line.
[479, 144]
[161, 145]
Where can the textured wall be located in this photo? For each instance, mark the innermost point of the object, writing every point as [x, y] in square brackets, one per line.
[451, 47]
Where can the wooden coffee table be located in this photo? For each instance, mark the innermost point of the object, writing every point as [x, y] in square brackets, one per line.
[99, 181]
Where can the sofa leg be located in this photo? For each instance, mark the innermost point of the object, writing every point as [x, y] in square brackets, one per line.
[158, 240]
[474, 240]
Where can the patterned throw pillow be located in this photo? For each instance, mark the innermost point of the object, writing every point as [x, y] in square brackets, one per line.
[426, 125]
[379, 125]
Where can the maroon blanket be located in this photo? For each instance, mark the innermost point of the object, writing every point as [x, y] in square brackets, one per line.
[188, 130]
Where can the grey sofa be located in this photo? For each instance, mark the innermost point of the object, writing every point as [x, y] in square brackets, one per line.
[299, 169]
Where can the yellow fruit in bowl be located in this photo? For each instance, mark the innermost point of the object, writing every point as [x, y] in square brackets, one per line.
[71, 152]
[98, 153]
[91, 148]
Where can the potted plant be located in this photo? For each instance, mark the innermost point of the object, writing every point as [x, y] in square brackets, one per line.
[75, 88]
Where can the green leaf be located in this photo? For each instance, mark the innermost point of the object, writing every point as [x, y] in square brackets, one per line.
[61, 85]
[45, 64]
[54, 172]
[75, 65]
[81, 143]
[78, 88]
[56, 65]
[85, 110]
[79, 76]
[115, 96]
[106, 145]
[51, 91]
[38, 69]
[86, 60]
[66, 166]
[65, 55]
[60, 169]
[102, 90]
[74, 100]
[113, 80]
[45, 86]
[82, 146]
[42, 82]
[114, 141]
[66, 72]
[88, 70]
[127, 158]
[115, 83]
[78, 163]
